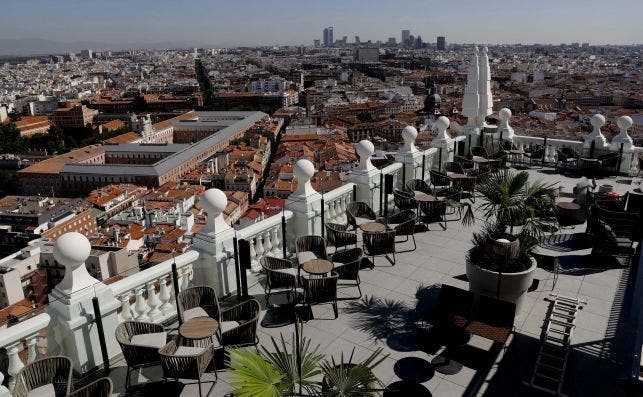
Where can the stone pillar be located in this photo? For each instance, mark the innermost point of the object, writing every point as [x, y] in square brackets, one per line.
[410, 156]
[597, 121]
[504, 129]
[443, 142]
[624, 123]
[366, 176]
[72, 331]
[214, 243]
[305, 203]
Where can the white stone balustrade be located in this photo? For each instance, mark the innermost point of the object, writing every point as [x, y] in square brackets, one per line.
[15, 339]
[152, 290]
[265, 237]
[335, 202]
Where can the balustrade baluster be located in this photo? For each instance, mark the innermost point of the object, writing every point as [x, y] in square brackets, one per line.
[330, 213]
[165, 296]
[259, 247]
[267, 246]
[185, 280]
[31, 347]
[344, 201]
[126, 310]
[276, 244]
[141, 305]
[15, 363]
[253, 251]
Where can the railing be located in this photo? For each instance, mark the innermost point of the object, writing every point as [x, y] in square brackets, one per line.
[335, 203]
[265, 237]
[15, 339]
[151, 290]
[551, 145]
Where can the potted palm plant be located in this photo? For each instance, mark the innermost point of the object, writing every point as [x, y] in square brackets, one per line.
[291, 371]
[517, 214]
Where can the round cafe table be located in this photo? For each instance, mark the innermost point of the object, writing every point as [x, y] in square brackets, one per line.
[569, 214]
[197, 329]
[372, 227]
[318, 266]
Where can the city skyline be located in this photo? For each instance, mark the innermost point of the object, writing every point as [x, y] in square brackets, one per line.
[137, 24]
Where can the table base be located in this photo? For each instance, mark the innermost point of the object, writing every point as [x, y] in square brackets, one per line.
[445, 365]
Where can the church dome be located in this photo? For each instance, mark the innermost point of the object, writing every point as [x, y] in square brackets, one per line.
[432, 100]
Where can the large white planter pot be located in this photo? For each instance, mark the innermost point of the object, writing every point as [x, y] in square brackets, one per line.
[512, 285]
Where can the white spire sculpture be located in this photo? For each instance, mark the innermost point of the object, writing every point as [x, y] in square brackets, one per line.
[477, 102]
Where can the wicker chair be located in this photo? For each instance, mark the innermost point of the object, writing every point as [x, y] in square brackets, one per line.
[609, 242]
[451, 195]
[439, 179]
[404, 200]
[466, 164]
[346, 264]
[434, 211]
[536, 155]
[479, 151]
[239, 324]
[418, 185]
[141, 355]
[500, 160]
[403, 223]
[609, 162]
[101, 387]
[635, 203]
[454, 167]
[50, 375]
[358, 212]
[186, 362]
[338, 236]
[199, 301]
[309, 248]
[566, 157]
[480, 173]
[319, 290]
[380, 244]
[280, 274]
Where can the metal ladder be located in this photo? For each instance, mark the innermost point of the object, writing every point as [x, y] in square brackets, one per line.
[549, 371]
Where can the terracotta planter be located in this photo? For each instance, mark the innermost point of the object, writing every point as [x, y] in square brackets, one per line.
[512, 285]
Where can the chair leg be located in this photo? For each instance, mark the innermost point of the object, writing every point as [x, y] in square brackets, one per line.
[199, 383]
[127, 378]
[335, 309]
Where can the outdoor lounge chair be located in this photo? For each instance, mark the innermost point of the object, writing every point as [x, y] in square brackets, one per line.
[566, 157]
[380, 244]
[140, 343]
[339, 236]
[535, 156]
[358, 212]
[309, 248]
[403, 223]
[347, 264]
[418, 185]
[101, 387]
[433, 211]
[198, 301]
[239, 324]
[404, 200]
[280, 275]
[186, 362]
[49, 376]
[318, 290]
[439, 179]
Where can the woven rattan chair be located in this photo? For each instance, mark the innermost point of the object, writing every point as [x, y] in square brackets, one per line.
[418, 185]
[434, 211]
[346, 264]
[466, 164]
[186, 362]
[566, 158]
[403, 223]
[101, 387]
[380, 244]
[500, 160]
[339, 236]
[479, 151]
[239, 324]
[609, 162]
[139, 356]
[439, 179]
[404, 200]
[51, 376]
[535, 155]
[452, 195]
[455, 167]
[635, 203]
[280, 275]
[310, 247]
[358, 212]
[318, 290]
[199, 301]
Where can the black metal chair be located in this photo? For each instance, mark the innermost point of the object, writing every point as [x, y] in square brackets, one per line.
[347, 264]
[566, 157]
[452, 195]
[239, 324]
[609, 162]
[454, 167]
[309, 248]
[433, 211]
[319, 290]
[535, 155]
[465, 163]
[403, 223]
[339, 236]
[635, 203]
[479, 151]
[358, 212]
[280, 275]
[439, 179]
[101, 387]
[418, 185]
[404, 200]
[380, 244]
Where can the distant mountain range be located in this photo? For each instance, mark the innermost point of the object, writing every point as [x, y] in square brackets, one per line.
[39, 46]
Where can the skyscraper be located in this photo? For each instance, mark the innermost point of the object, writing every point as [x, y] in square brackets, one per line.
[328, 36]
[442, 43]
[406, 35]
[356, 39]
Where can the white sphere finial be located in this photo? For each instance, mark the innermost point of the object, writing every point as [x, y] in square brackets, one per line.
[441, 124]
[303, 171]
[72, 250]
[504, 129]
[624, 122]
[596, 136]
[597, 120]
[409, 134]
[214, 202]
[504, 114]
[365, 149]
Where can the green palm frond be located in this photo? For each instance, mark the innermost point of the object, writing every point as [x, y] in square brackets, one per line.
[251, 375]
[350, 379]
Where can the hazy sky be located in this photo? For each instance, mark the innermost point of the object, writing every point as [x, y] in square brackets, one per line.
[249, 22]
